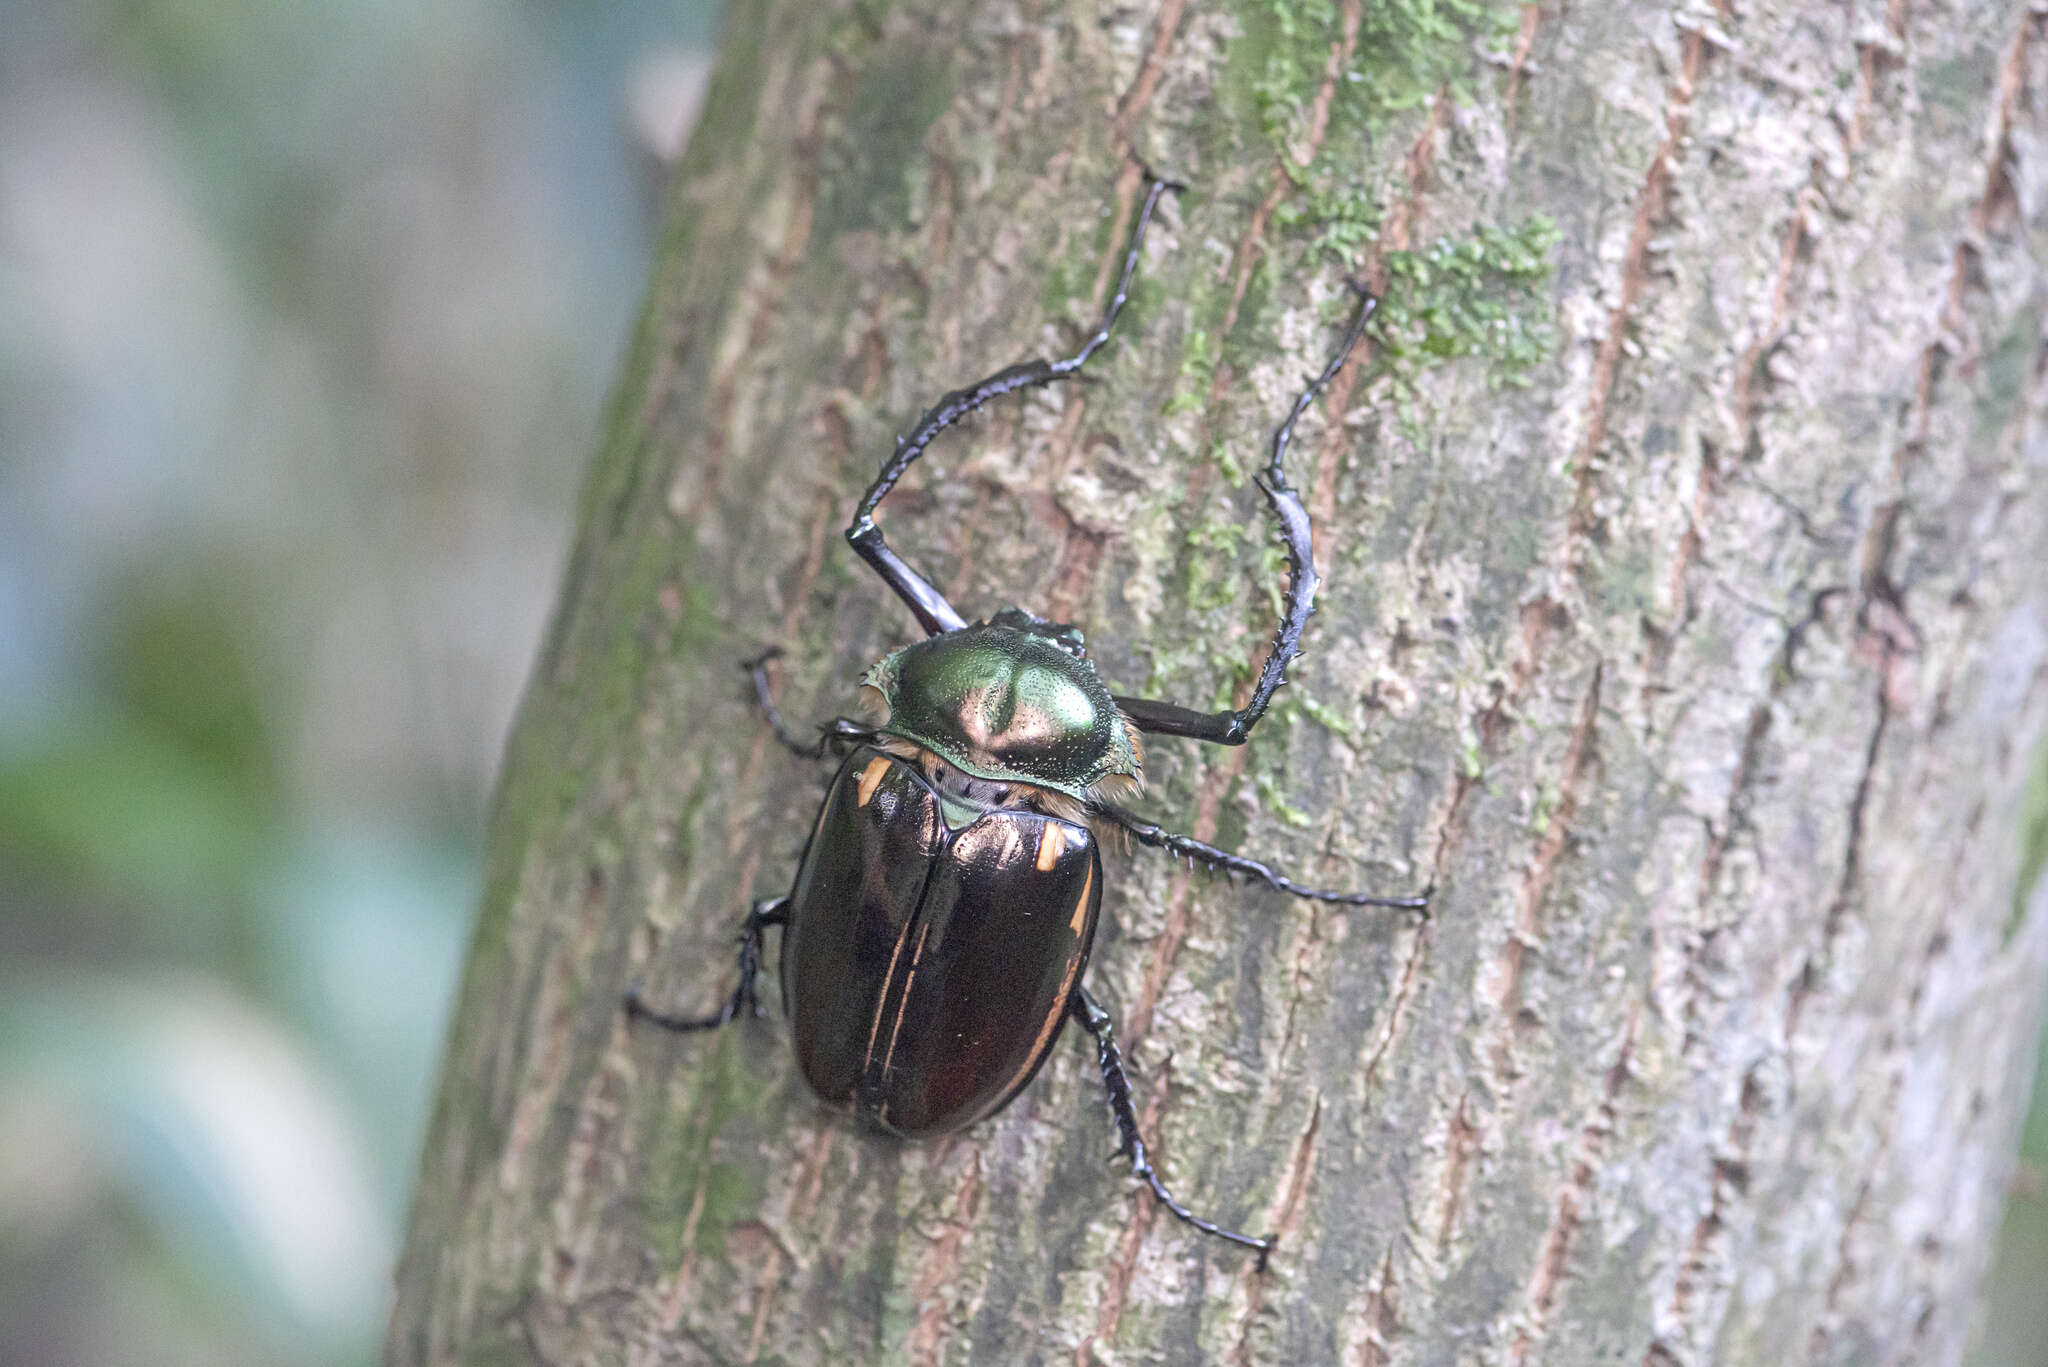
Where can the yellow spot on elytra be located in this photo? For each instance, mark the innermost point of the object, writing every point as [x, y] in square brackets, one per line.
[871, 778]
[1051, 846]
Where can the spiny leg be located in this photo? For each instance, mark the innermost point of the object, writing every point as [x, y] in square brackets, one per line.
[1095, 1020]
[772, 912]
[924, 600]
[1231, 728]
[1186, 846]
[839, 731]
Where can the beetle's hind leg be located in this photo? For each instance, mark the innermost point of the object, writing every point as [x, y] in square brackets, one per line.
[744, 1000]
[838, 731]
[1095, 1020]
[1223, 861]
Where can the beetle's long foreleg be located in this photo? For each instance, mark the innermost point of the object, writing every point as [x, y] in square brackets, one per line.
[1186, 846]
[838, 731]
[933, 612]
[1095, 1020]
[1231, 728]
[772, 912]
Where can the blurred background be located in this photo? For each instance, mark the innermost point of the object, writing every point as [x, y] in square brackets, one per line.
[307, 308]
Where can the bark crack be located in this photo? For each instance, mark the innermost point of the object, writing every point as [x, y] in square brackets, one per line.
[1579, 757]
[1208, 809]
[1239, 269]
[1874, 56]
[1461, 1146]
[1382, 1318]
[1252, 1281]
[1859, 1208]
[1123, 1267]
[932, 1293]
[1554, 1251]
[677, 1296]
[1808, 981]
[1728, 1183]
[774, 1260]
[1749, 768]
[1395, 235]
[1418, 949]
[1651, 199]
[1518, 65]
[1139, 97]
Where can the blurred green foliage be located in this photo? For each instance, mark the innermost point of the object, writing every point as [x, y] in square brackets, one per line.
[306, 310]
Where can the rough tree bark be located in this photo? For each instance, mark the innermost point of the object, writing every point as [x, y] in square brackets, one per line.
[1693, 649]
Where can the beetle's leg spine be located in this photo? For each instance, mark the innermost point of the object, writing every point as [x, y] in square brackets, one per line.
[1192, 850]
[1095, 1019]
[924, 600]
[774, 911]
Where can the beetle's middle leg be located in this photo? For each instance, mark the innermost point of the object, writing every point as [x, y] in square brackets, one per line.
[744, 1000]
[1095, 1020]
[1187, 847]
[838, 731]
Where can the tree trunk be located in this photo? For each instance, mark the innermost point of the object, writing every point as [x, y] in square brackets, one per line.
[1685, 626]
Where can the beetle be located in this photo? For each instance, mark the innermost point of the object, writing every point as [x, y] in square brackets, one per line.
[943, 909]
